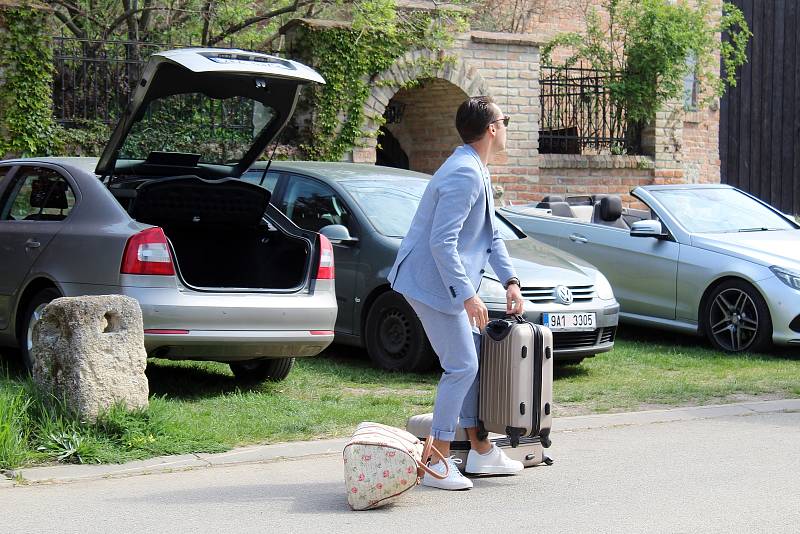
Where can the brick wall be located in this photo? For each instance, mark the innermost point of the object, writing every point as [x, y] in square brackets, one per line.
[551, 17]
[427, 129]
[567, 174]
[684, 145]
[504, 66]
[701, 147]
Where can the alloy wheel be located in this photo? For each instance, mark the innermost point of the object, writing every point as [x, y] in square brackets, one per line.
[734, 320]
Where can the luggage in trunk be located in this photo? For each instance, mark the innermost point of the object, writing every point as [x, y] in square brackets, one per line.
[530, 450]
[218, 234]
[516, 380]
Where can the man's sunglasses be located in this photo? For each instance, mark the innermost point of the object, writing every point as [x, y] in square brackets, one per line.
[504, 119]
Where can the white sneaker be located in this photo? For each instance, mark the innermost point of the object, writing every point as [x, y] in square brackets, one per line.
[454, 481]
[494, 462]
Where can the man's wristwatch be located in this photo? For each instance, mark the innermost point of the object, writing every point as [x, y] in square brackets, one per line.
[512, 280]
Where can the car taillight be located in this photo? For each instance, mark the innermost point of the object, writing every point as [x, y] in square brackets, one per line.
[325, 270]
[147, 253]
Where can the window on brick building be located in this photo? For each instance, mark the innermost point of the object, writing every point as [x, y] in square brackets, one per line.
[690, 85]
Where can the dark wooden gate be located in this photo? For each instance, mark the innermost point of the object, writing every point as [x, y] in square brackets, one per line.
[760, 117]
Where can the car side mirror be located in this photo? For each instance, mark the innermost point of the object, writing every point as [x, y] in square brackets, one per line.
[648, 228]
[338, 234]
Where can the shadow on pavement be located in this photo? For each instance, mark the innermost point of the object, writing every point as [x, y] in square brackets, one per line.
[311, 497]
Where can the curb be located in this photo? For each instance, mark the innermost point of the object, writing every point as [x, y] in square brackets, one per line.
[307, 449]
[590, 422]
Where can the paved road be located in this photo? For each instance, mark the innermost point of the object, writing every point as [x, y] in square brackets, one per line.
[725, 474]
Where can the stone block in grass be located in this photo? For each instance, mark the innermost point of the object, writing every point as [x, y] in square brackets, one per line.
[90, 352]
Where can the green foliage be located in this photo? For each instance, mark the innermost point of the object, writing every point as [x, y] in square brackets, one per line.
[349, 58]
[36, 427]
[242, 23]
[653, 45]
[13, 428]
[26, 58]
[85, 138]
[194, 123]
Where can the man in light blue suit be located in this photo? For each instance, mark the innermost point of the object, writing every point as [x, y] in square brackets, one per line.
[438, 270]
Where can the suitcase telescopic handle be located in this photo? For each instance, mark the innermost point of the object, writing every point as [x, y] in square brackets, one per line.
[499, 328]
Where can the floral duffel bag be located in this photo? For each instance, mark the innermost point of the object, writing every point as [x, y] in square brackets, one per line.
[382, 462]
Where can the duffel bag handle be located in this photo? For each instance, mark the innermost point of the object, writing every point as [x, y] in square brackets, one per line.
[430, 450]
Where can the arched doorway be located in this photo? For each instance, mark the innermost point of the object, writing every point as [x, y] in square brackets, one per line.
[389, 153]
[425, 131]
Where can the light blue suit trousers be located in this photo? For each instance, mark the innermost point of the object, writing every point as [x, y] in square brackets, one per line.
[439, 266]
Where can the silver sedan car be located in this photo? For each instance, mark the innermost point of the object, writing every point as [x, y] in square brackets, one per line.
[702, 259]
[219, 272]
[366, 210]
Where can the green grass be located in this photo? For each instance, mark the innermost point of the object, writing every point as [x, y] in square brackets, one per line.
[198, 407]
[654, 369]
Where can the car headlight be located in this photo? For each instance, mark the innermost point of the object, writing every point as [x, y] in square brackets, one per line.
[491, 291]
[603, 288]
[790, 278]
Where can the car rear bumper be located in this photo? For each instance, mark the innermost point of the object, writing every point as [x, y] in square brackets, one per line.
[574, 345]
[182, 324]
[235, 345]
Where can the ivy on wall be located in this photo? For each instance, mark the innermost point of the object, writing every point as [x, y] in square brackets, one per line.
[348, 58]
[26, 59]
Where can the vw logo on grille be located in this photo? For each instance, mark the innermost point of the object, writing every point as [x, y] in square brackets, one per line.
[563, 295]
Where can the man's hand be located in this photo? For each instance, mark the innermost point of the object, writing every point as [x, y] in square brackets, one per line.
[477, 312]
[514, 303]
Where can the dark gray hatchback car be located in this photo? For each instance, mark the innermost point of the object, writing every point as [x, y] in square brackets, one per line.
[365, 210]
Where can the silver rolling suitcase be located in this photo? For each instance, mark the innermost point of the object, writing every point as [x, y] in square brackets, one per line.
[516, 380]
[530, 451]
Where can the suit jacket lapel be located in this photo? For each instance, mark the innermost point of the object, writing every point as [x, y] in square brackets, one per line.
[487, 190]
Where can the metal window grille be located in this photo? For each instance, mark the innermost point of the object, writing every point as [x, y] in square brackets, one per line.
[579, 115]
[94, 79]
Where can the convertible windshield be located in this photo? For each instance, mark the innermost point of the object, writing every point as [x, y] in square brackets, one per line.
[719, 210]
[390, 204]
[215, 130]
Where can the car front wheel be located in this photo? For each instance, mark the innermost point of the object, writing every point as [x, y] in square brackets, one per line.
[33, 313]
[737, 318]
[254, 371]
[394, 336]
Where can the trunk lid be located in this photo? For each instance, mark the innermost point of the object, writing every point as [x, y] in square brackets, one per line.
[203, 111]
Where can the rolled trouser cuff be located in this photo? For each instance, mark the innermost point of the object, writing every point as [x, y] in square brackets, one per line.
[443, 435]
[471, 422]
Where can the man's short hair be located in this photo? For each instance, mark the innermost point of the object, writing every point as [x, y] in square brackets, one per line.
[473, 117]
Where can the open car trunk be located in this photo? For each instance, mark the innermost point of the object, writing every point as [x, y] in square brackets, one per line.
[219, 235]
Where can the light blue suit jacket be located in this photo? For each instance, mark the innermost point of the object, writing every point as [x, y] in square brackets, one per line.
[452, 236]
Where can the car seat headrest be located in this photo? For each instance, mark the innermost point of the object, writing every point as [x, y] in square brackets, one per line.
[560, 209]
[610, 208]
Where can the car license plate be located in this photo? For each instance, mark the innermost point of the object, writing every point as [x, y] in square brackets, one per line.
[569, 321]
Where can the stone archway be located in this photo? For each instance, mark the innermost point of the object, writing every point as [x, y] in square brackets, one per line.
[503, 66]
[426, 132]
